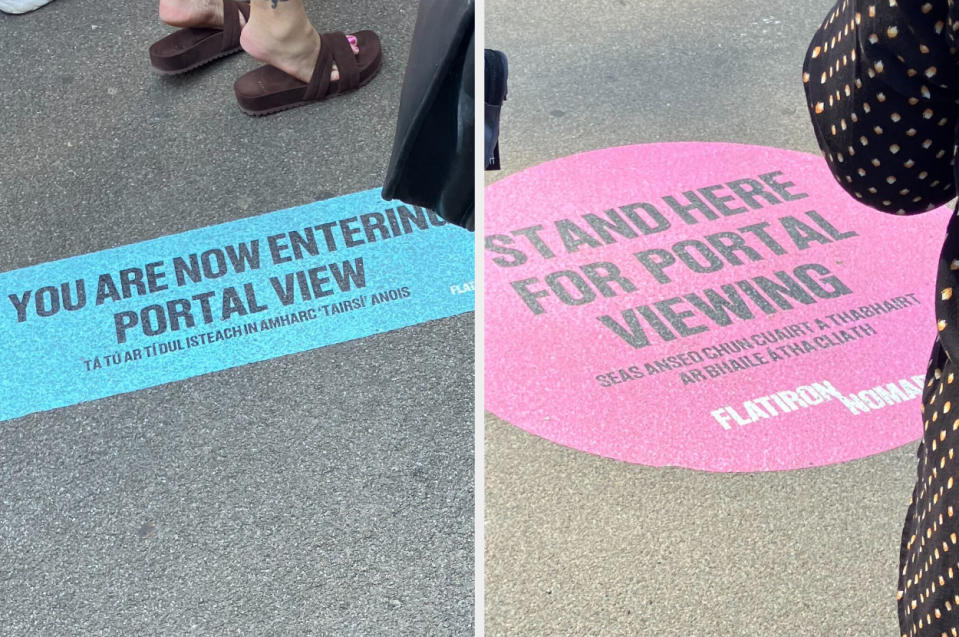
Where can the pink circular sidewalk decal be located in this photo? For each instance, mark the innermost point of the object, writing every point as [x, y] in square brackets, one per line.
[711, 306]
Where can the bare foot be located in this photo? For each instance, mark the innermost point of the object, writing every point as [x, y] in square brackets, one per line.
[292, 49]
[194, 13]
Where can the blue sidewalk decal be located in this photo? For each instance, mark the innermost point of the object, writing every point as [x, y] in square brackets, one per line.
[201, 301]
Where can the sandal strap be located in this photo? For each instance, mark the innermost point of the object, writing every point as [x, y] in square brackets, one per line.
[231, 22]
[320, 80]
[345, 60]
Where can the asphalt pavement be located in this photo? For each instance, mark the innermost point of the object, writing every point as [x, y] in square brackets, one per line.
[582, 545]
[323, 493]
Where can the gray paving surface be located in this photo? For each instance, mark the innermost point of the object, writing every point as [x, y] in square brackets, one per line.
[325, 493]
[580, 545]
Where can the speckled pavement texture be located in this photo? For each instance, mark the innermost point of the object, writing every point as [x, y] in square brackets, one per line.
[582, 545]
[324, 493]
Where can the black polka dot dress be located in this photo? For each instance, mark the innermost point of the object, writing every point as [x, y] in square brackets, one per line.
[882, 84]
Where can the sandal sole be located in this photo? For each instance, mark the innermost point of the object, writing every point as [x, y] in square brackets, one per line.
[197, 65]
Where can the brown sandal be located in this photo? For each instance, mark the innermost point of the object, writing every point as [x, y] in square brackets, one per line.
[191, 47]
[269, 90]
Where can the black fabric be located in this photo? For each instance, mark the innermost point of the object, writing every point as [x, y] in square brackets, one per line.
[882, 85]
[432, 160]
[496, 73]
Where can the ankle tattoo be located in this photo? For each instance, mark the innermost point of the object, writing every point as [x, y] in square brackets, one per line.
[275, 2]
